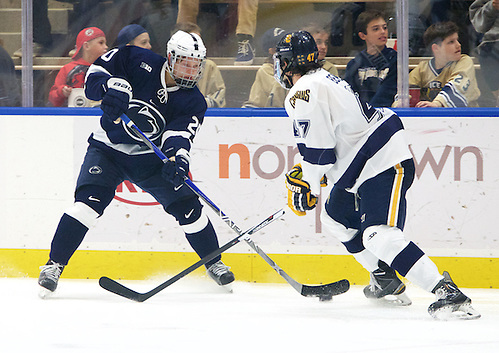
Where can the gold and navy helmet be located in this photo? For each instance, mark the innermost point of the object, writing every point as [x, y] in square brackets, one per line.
[295, 53]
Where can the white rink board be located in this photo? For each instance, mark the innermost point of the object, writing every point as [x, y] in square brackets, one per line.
[451, 205]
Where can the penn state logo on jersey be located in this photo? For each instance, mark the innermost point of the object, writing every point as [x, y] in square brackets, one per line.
[148, 119]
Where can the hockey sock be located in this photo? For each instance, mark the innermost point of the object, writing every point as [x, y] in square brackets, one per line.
[204, 242]
[67, 239]
[424, 273]
[367, 260]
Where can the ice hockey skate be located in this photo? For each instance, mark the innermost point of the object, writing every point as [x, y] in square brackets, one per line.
[386, 288]
[451, 303]
[49, 277]
[220, 273]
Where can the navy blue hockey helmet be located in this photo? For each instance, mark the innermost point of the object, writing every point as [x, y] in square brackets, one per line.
[296, 52]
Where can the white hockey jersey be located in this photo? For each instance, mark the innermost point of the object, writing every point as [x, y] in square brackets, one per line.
[339, 135]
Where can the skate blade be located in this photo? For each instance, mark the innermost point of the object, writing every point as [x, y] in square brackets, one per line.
[393, 300]
[226, 288]
[44, 293]
[451, 313]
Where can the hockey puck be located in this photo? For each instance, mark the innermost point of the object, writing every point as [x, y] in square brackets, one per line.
[325, 298]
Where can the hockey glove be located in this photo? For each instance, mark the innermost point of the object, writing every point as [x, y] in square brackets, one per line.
[177, 168]
[115, 101]
[300, 199]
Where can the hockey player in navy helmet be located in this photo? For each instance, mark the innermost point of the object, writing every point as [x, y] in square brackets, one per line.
[362, 151]
[160, 95]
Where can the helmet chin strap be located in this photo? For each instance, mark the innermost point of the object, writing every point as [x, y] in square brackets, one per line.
[288, 81]
[170, 81]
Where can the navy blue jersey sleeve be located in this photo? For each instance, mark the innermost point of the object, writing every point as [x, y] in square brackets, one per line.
[351, 73]
[98, 74]
[374, 77]
[131, 63]
[385, 94]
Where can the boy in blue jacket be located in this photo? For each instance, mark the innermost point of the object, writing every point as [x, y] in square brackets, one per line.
[373, 72]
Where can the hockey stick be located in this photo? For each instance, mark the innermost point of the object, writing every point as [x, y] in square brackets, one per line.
[324, 292]
[117, 288]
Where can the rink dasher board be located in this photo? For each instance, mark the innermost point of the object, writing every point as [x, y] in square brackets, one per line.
[239, 160]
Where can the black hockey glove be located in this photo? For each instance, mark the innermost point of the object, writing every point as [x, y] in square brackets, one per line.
[115, 101]
[177, 168]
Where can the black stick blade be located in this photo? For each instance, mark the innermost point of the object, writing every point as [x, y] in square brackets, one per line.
[117, 288]
[326, 290]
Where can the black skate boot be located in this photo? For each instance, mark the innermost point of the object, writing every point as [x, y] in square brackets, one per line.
[451, 303]
[49, 277]
[220, 273]
[384, 282]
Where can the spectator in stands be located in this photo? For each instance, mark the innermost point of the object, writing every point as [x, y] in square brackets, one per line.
[10, 94]
[321, 37]
[373, 72]
[346, 10]
[212, 84]
[134, 35]
[90, 44]
[266, 91]
[42, 31]
[448, 79]
[484, 15]
[245, 30]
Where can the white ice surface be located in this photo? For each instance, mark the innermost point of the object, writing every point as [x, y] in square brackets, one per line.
[195, 315]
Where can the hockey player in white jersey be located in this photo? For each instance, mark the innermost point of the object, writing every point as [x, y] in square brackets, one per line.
[362, 151]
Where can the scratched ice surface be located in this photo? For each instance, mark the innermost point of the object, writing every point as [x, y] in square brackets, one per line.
[195, 315]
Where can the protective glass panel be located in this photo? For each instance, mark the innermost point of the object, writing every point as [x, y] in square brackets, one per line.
[444, 48]
[240, 35]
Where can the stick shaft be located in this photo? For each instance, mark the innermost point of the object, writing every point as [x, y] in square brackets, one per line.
[300, 288]
[117, 288]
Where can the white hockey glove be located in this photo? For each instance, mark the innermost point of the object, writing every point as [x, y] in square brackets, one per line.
[300, 198]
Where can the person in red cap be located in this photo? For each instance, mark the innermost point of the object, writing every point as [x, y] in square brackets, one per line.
[90, 44]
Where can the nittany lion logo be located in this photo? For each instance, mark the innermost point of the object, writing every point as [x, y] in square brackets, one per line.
[147, 118]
